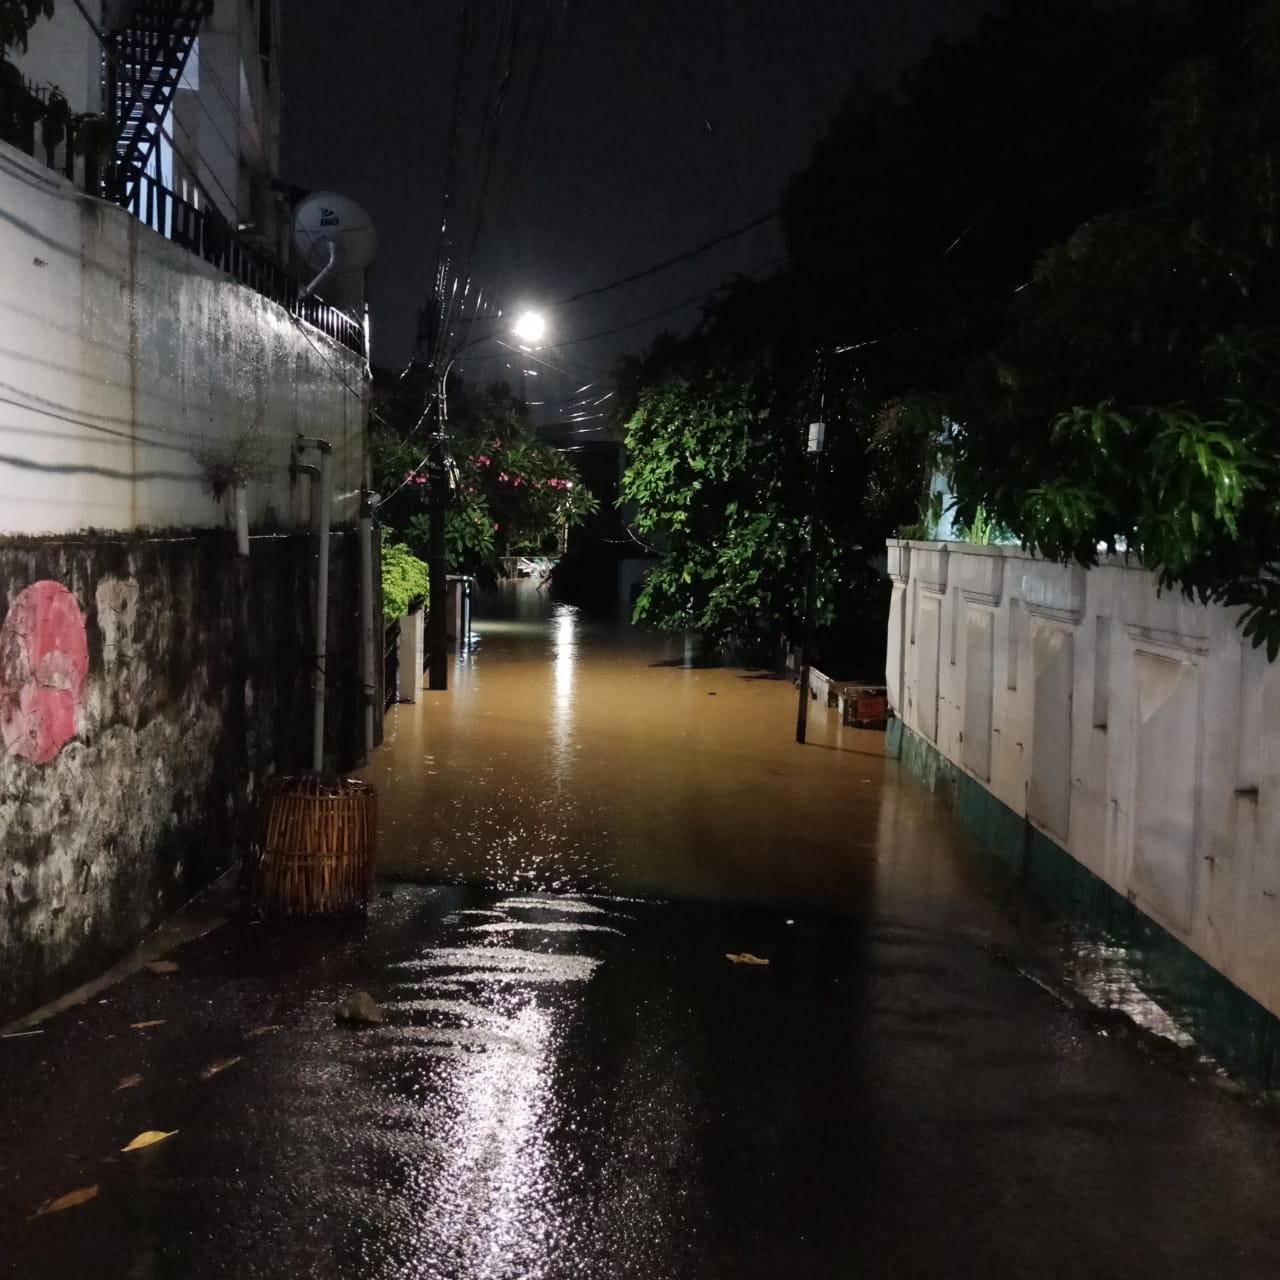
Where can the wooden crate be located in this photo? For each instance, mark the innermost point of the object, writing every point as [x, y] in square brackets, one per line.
[864, 707]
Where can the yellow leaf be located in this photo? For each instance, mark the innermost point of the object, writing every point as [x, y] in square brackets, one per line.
[69, 1201]
[743, 957]
[142, 1026]
[162, 966]
[214, 1067]
[128, 1082]
[149, 1138]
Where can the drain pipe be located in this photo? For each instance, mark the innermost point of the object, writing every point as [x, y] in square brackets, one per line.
[240, 507]
[324, 479]
[368, 500]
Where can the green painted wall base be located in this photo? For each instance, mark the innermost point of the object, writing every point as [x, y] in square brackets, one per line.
[1231, 1025]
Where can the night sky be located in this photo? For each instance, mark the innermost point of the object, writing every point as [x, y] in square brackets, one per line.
[631, 132]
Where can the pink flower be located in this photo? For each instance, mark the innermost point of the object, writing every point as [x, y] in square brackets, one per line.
[495, 526]
[482, 461]
[502, 477]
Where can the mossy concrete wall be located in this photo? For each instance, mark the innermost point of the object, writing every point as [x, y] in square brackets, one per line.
[148, 687]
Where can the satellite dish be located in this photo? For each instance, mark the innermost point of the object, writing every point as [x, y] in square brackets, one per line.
[332, 231]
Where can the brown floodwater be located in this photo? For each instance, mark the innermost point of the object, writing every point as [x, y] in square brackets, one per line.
[570, 754]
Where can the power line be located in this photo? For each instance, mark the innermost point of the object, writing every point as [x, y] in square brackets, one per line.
[666, 311]
[705, 247]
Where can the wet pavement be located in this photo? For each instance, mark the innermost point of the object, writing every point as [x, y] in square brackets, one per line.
[574, 1081]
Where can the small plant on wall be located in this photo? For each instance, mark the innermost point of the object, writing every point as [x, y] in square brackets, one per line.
[227, 463]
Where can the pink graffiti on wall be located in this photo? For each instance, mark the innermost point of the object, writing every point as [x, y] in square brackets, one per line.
[44, 659]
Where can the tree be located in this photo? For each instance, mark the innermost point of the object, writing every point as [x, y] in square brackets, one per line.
[17, 17]
[1133, 400]
[715, 428]
[919, 213]
[512, 493]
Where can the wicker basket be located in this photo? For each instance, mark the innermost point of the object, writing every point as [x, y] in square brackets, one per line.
[318, 846]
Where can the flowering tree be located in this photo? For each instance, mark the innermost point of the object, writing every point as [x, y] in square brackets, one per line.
[510, 492]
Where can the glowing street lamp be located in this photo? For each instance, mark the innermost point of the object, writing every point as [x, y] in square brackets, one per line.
[530, 327]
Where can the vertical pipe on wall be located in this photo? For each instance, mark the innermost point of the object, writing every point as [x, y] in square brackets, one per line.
[325, 483]
[240, 505]
[368, 500]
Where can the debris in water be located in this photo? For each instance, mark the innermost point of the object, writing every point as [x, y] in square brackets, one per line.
[359, 1008]
[162, 966]
[69, 1201]
[215, 1067]
[142, 1026]
[128, 1082]
[744, 957]
[148, 1138]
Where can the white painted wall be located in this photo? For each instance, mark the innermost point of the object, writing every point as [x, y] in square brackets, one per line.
[125, 360]
[1136, 729]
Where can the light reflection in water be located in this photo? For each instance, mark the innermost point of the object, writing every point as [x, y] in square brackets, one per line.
[564, 645]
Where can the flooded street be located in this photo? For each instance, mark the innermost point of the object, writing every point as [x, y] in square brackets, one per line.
[574, 753]
[585, 1072]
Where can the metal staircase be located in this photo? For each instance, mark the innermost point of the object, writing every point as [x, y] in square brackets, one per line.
[148, 55]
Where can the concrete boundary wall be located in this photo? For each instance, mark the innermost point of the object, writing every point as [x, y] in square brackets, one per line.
[150, 686]
[129, 368]
[1133, 731]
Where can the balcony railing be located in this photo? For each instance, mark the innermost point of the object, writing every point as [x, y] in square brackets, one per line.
[39, 124]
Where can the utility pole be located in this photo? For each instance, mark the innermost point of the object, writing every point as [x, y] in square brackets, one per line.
[437, 563]
[817, 439]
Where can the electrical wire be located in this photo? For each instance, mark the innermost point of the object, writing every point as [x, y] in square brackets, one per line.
[695, 252]
[666, 311]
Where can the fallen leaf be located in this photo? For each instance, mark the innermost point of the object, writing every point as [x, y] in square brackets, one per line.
[142, 1026]
[128, 1082]
[69, 1201]
[214, 1067]
[743, 957]
[261, 1031]
[162, 966]
[148, 1139]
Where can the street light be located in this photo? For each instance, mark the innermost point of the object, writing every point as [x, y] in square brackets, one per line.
[530, 327]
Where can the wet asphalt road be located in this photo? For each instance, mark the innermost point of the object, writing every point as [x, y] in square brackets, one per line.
[574, 1081]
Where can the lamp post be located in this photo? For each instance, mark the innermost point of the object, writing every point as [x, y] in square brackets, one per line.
[529, 328]
[816, 442]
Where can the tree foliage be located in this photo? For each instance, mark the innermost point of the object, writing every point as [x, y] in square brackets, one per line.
[1133, 399]
[920, 211]
[17, 17]
[511, 492]
[720, 482]
[404, 580]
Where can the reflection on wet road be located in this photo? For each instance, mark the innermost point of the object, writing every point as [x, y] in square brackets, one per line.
[574, 1081]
